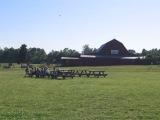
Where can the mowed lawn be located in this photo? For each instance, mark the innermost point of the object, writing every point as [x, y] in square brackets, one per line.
[127, 93]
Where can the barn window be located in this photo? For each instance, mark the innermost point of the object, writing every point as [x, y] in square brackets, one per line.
[114, 52]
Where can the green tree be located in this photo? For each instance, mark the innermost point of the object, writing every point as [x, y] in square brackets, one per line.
[8, 55]
[87, 50]
[144, 52]
[152, 56]
[132, 52]
[70, 53]
[53, 57]
[22, 54]
[36, 55]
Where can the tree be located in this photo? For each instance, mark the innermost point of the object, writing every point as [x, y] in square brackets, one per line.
[53, 57]
[144, 52]
[22, 54]
[8, 55]
[70, 53]
[87, 50]
[1, 55]
[132, 52]
[152, 56]
[36, 55]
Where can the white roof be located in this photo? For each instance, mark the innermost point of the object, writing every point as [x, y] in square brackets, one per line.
[95, 56]
[69, 58]
[119, 57]
[88, 56]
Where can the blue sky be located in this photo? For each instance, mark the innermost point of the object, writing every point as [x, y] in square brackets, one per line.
[57, 24]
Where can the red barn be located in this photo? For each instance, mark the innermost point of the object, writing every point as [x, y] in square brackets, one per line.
[110, 53]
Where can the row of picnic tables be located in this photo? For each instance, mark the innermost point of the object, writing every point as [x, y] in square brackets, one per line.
[63, 73]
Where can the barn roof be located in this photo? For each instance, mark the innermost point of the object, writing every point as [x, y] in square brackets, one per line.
[114, 44]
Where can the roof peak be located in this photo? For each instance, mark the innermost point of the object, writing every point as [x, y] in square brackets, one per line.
[114, 40]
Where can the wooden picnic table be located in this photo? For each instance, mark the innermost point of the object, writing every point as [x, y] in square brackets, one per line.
[61, 73]
[80, 73]
[96, 73]
[64, 73]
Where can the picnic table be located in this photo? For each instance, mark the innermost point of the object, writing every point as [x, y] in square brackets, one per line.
[61, 73]
[64, 73]
[80, 73]
[96, 73]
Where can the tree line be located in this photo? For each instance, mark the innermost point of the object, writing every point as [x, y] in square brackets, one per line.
[38, 55]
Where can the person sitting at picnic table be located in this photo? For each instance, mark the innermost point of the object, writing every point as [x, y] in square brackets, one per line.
[47, 72]
[37, 73]
[31, 72]
[26, 71]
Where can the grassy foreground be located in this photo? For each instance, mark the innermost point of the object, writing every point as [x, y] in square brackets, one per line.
[128, 93]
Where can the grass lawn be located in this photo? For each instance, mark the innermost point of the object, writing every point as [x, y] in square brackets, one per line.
[127, 93]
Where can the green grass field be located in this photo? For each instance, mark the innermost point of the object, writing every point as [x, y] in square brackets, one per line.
[127, 93]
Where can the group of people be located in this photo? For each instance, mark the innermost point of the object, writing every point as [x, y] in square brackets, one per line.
[37, 72]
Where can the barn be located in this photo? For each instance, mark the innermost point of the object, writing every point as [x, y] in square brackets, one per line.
[110, 53]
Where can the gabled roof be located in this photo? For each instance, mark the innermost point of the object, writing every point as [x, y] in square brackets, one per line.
[114, 44]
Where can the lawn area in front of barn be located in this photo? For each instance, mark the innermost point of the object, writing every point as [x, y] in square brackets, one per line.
[128, 92]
